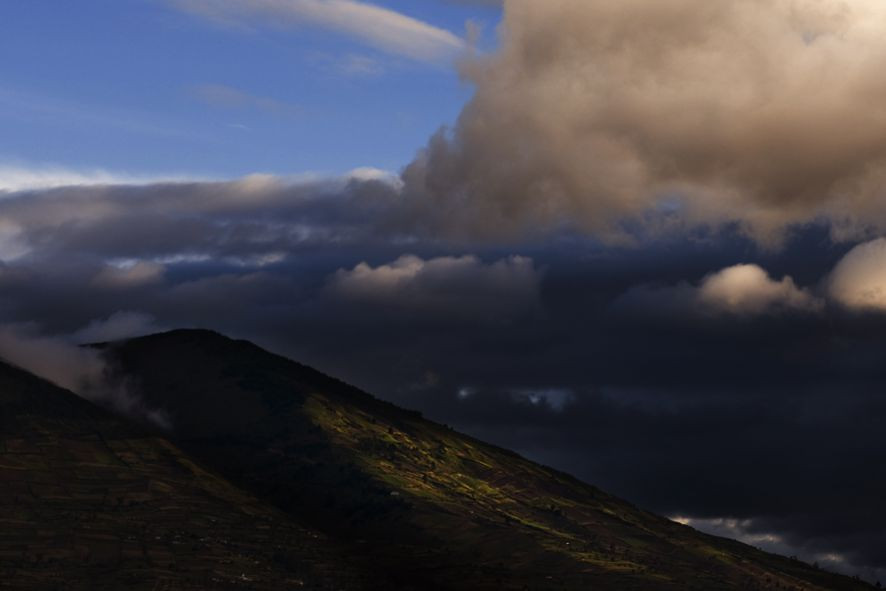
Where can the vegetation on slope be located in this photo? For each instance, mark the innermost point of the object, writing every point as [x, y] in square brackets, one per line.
[88, 501]
[422, 506]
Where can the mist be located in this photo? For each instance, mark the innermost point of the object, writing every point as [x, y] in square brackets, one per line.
[78, 369]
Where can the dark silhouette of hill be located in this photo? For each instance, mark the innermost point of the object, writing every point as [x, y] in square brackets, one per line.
[418, 505]
[90, 501]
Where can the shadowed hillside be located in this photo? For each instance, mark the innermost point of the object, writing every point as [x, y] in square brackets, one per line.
[420, 505]
[88, 501]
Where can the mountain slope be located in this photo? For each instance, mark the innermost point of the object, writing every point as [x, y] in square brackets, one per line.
[424, 506]
[88, 501]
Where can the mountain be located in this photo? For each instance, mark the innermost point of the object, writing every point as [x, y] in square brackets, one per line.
[90, 501]
[417, 505]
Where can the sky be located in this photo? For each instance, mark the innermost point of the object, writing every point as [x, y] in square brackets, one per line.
[642, 242]
[167, 88]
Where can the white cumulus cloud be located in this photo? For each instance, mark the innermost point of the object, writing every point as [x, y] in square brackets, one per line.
[119, 325]
[745, 290]
[452, 286]
[748, 289]
[595, 113]
[859, 279]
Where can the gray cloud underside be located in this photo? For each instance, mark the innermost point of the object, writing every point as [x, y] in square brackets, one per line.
[253, 216]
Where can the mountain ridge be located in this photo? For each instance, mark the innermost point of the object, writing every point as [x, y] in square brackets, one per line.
[414, 501]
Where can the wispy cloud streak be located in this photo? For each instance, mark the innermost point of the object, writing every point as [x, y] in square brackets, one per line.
[379, 27]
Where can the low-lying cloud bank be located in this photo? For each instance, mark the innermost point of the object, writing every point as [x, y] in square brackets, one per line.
[856, 284]
[251, 217]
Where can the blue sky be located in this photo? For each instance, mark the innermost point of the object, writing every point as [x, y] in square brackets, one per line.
[159, 87]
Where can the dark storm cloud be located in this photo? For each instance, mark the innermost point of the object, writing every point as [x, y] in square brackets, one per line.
[252, 216]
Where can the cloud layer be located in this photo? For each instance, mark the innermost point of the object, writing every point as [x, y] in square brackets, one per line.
[748, 289]
[380, 27]
[256, 216]
[609, 115]
[15, 178]
[444, 288]
[859, 281]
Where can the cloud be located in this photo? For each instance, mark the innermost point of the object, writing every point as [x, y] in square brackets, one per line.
[359, 65]
[743, 290]
[251, 218]
[551, 398]
[220, 95]
[17, 178]
[445, 286]
[130, 274]
[78, 369]
[379, 27]
[118, 326]
[859, 280]
[348, 65]
[748, 289]
[12, 245]
[58, 361]
[751, 533]
[605, 116]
